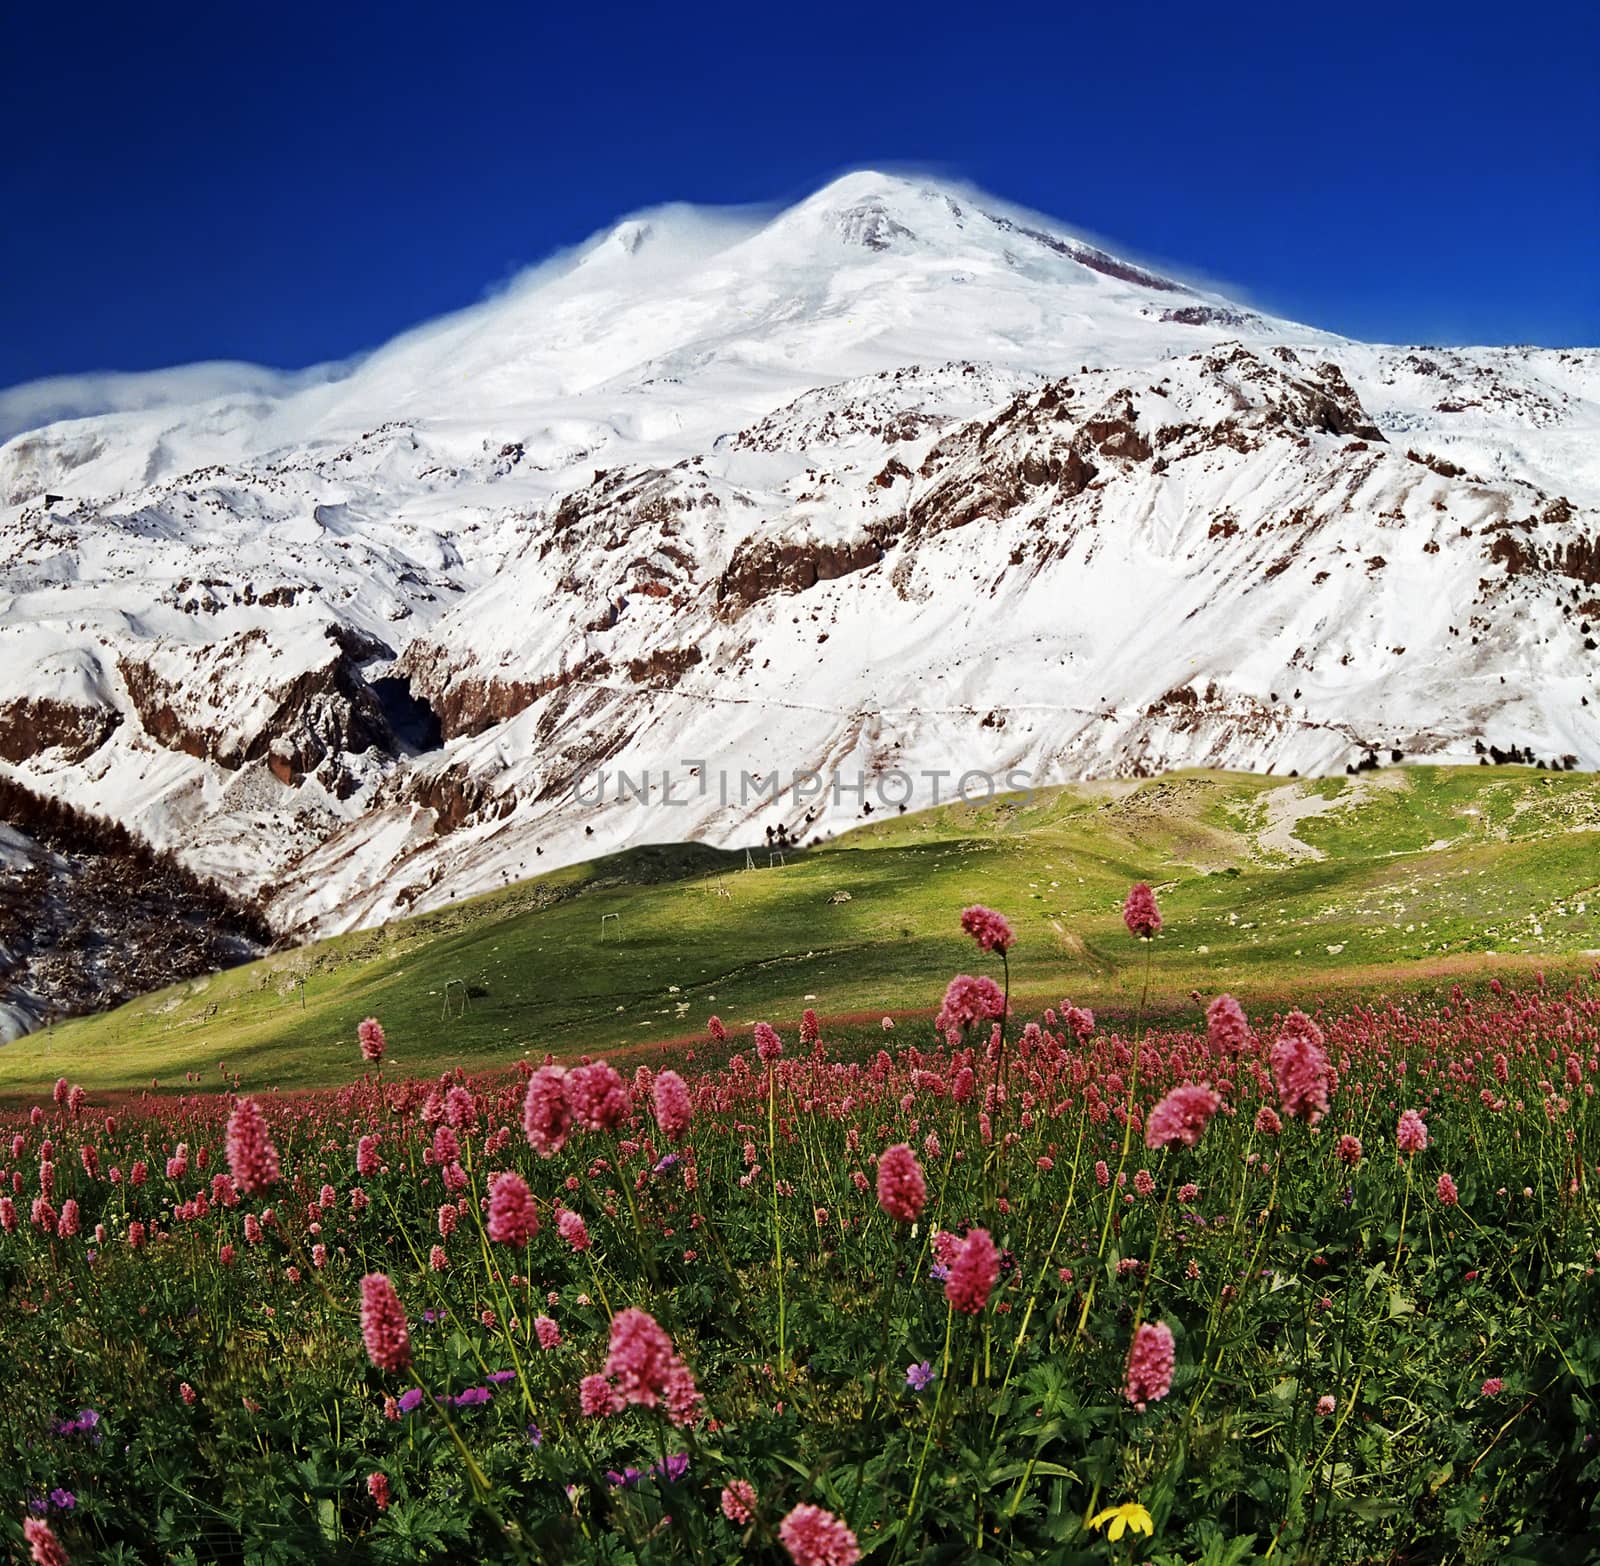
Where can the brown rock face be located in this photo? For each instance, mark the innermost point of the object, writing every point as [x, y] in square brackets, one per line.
[759, 567]
[456, 797]
[320, 715]
[32, 724]
[1117, 435]
[987, 471]
[664, 666]
[1577, 558]
[1208, 315]
[470, 703]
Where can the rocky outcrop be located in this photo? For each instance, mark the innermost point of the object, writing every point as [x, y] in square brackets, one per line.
[30, 725]
[987, 471]
[456, 798]
[91, 916]
[467, 703]
[1519, 548]
[761, 567]
[1209, 315]
[320, 715]
[665, 666]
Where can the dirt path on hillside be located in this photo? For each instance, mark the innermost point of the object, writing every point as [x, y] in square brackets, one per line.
[1286, 808]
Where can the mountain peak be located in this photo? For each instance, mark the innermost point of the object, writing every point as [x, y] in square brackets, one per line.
[904, 214]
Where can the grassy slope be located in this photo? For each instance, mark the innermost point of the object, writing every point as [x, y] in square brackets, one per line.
[1423, 866]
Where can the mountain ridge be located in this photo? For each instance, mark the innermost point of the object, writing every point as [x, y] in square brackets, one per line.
[894, 481]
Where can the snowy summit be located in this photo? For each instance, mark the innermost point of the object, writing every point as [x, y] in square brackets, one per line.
[900, 478]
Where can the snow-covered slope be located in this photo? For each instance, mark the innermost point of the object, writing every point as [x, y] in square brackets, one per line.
[899, 480]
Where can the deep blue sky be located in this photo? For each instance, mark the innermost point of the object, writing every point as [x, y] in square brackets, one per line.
[290, 183]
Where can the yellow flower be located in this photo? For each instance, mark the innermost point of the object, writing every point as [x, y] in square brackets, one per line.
[1129, 1515]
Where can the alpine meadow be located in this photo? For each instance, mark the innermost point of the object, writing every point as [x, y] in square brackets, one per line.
[829, 874]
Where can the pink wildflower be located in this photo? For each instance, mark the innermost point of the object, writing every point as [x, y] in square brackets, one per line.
[549, 1332]
[370, 1036]
[1325, 1405]
[973, 1273]
[1448, 1195]
[251, 1155]
[383, 1324]
[546, 1119]
[461, 1109]
[378, 1489]
[1181, 1116]
[573, 1229]
[1226, 1028]
[902, 1190]
[673, 1109]
[597, 1097]
[1300, 1069]
[641, 1352]
[768, 1045]
[43, 1545]
[968, 1000]
[1140, 913]
[738, 1501]
[1493, 1387]
[1151, 1359]
[989, 929]
[1411, 1135]
[1267, 1121]
[1348, 1149]
[715, 1028]
[513, 1219]
[597, 1397]
[643, 1368]
[814, 1537]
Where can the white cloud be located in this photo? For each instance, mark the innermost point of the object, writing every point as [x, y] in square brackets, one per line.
[37, 403]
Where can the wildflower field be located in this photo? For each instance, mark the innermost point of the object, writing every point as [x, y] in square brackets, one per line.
[990, 1287]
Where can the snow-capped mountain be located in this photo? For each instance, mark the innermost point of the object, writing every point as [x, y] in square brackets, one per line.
[899, 480]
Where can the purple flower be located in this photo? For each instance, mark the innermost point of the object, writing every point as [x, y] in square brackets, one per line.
[63, 1500]
[410, 1399]
[918, 1376]
[626, 1480]
[672, 1468]
[664, 1164]
[500, 1377]
[938, 1272]
[473, 1397]
[535, 1436]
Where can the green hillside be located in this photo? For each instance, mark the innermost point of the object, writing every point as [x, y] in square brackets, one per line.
[1268, 885]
